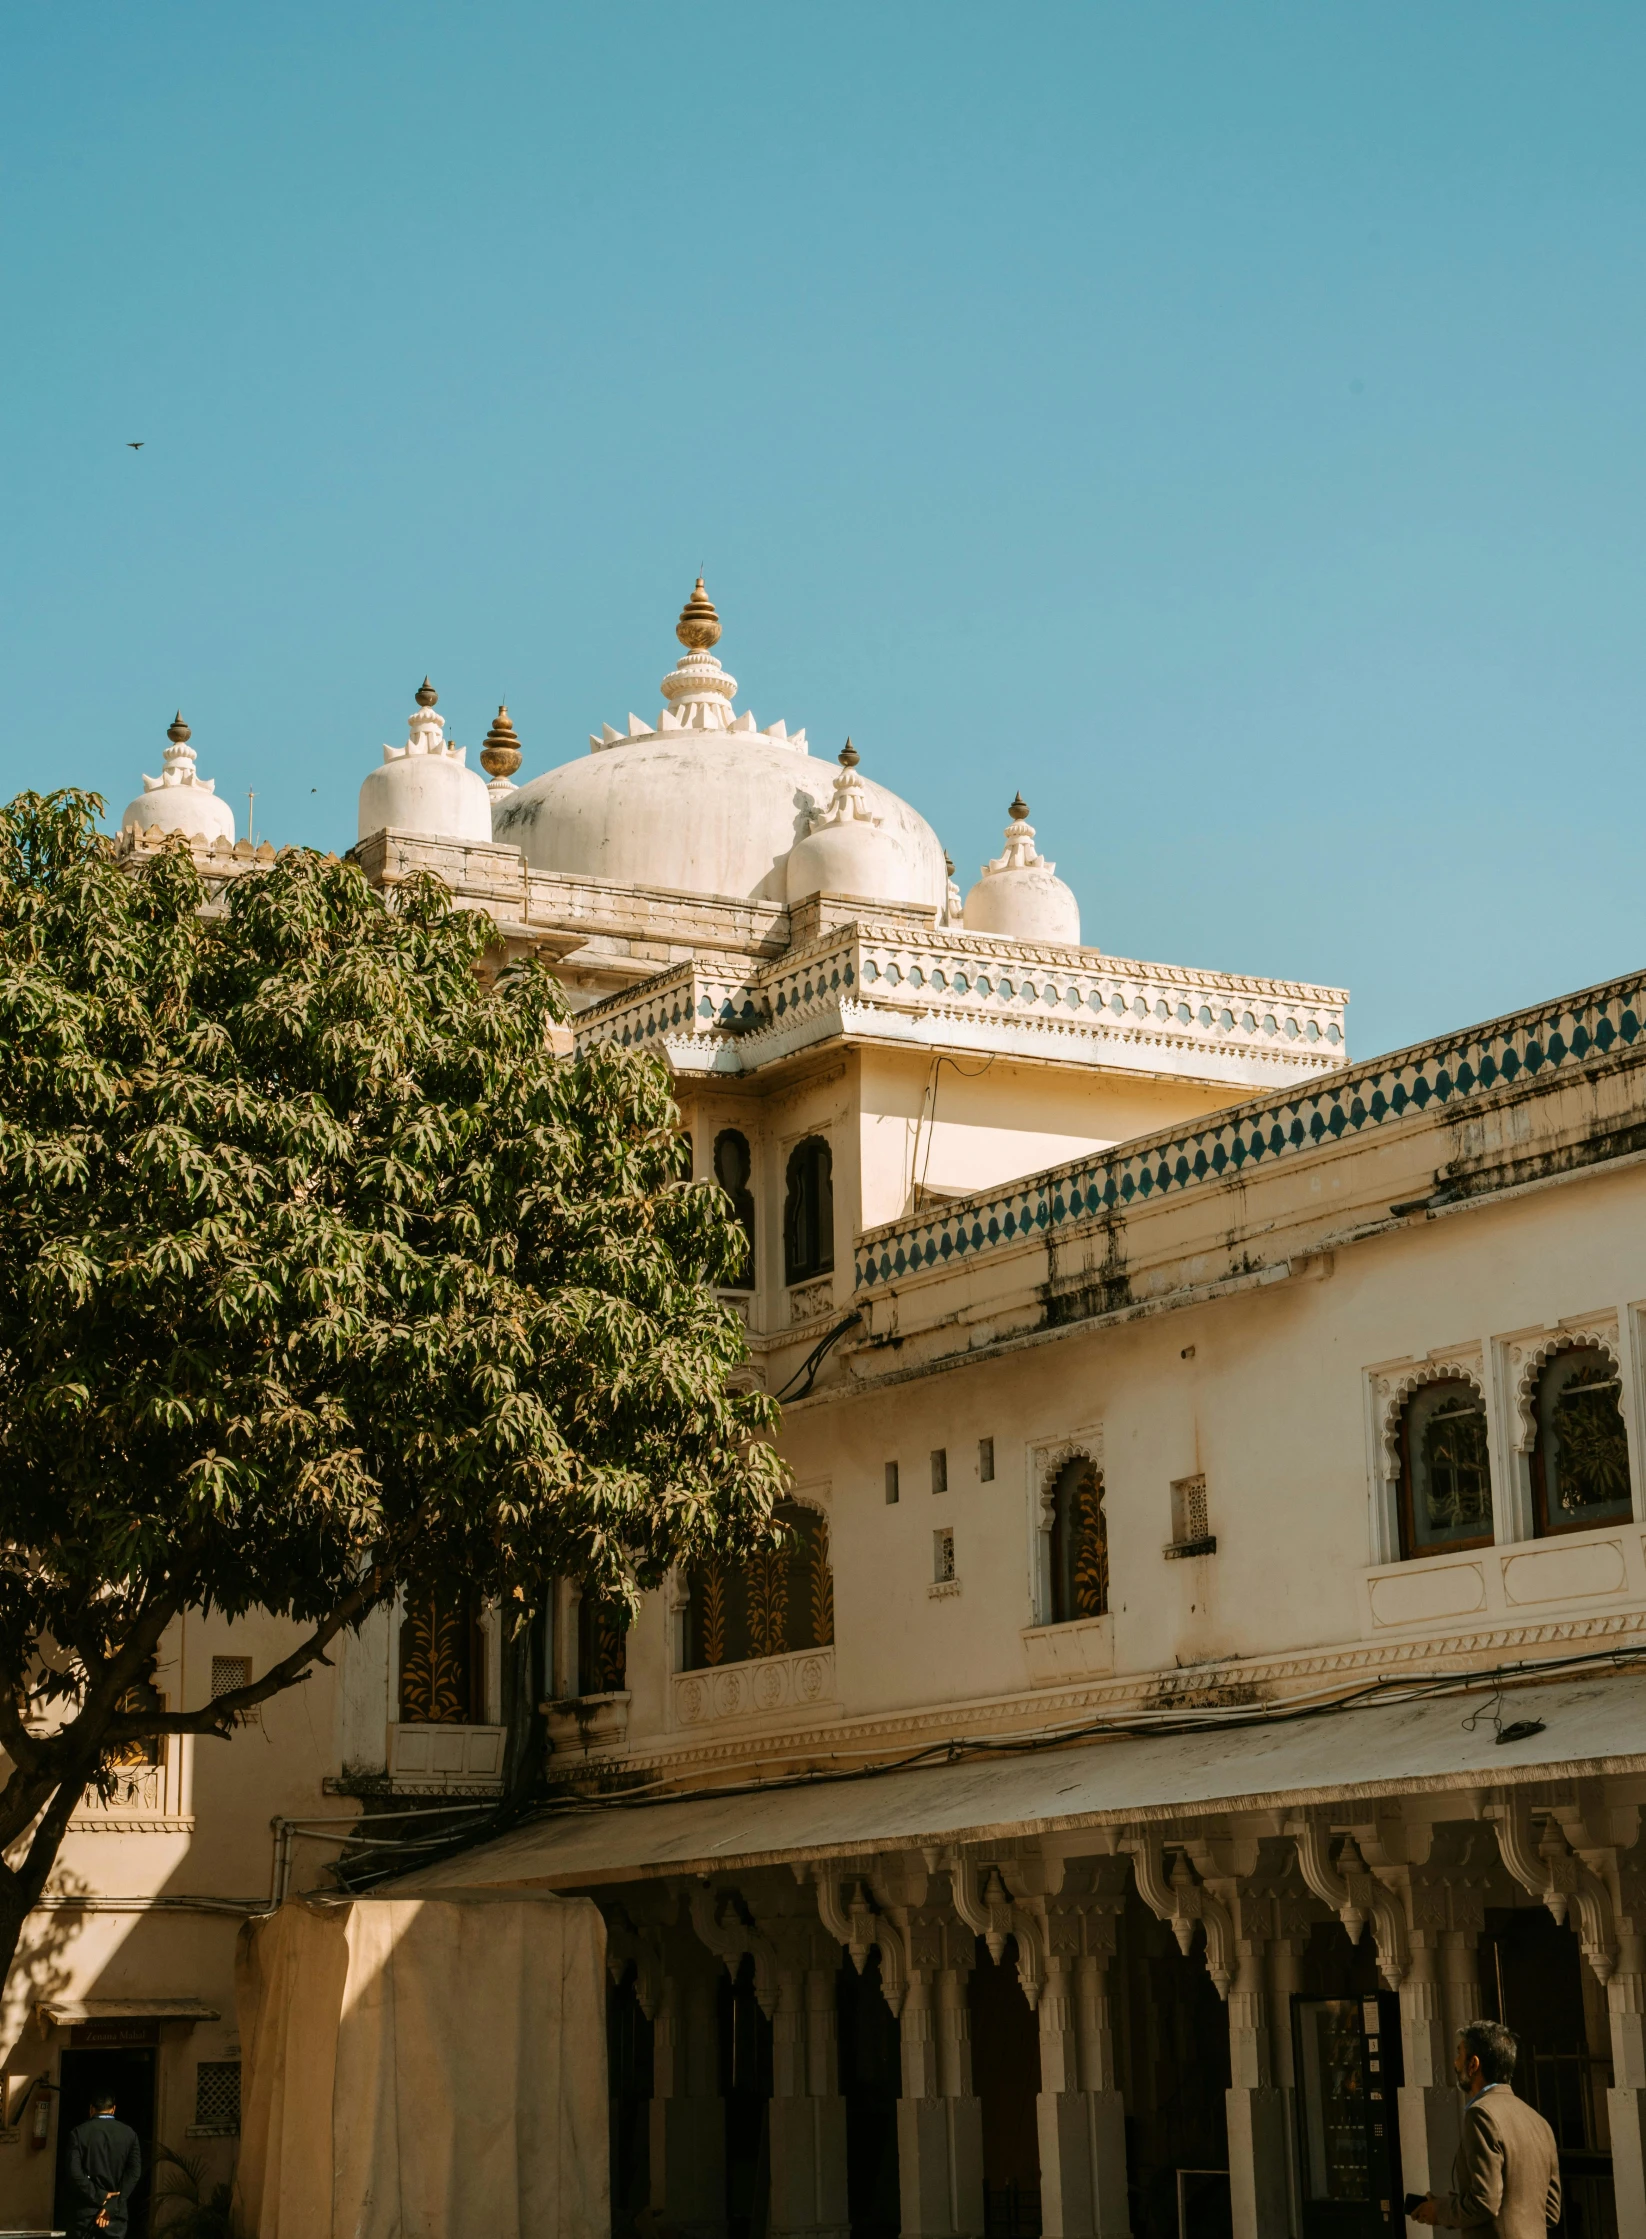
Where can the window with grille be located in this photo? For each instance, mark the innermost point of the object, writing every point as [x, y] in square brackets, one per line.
[985, 1460]
[228, 1673]
[217, 2095]
[775, 1602]
[1580, 1463]
[1079, 1543]
[942, 1557]
[940, 1469]
[1445, 1469]
[1191, 1533]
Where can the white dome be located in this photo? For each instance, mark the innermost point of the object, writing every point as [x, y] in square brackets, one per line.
[426, 786]
[850, 850]
[1018, 897]
[178, 800]
[706, 804]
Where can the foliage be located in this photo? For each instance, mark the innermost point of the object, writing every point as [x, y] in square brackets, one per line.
[182, 2206]
[320, 1275]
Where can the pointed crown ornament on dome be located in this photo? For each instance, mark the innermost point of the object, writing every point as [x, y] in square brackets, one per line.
[500, 751]
[1019, 851]
[177, 764]
[850, 803]
[697, 691]
[426, 731]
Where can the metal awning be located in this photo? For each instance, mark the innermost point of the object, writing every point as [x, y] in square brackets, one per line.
[67, 2013]
[1444, 1742]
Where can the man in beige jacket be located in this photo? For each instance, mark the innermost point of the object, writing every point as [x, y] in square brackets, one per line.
[1506, 2178]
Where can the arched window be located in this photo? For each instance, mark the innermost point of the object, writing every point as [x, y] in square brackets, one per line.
[808, 1212]
[1445, 1469]
[1580, 1464]
[774, 1604]
[732, 1167]
[442, 1660]
[1080, 1543]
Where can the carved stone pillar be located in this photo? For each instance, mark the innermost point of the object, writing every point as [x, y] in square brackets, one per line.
[688, 2115]
[939, 2125]
[1285, 1980]
[1626, 2100]
[1064, 1920]
[808, 2115]
[922, 1974]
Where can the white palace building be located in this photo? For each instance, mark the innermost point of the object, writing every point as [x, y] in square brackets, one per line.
[1204, 1671]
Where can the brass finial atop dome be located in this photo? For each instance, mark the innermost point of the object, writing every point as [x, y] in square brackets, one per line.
[699, 626]
[1019, 808]
[849, 756]
[177, 730]
[500, 754]
[426, 694]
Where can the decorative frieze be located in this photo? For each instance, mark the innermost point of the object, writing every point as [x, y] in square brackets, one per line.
[1451, 1073]
[802, 1681]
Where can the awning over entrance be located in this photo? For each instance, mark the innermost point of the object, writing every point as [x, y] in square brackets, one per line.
[68, 2013]
[1591, 1726]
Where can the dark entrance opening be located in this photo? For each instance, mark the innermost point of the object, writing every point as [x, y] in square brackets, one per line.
[1006, 2078]
[1172, 2043]
[746, 2082]
[629, 2084]
[1533, 1976]
[871, 2080]
[128, 2072]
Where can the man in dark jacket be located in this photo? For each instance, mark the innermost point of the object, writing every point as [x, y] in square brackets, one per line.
[105, 2162]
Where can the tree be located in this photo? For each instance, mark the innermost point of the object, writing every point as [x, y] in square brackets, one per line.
[320, 1275]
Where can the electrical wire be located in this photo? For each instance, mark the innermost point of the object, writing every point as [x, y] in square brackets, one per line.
[1134, 1725]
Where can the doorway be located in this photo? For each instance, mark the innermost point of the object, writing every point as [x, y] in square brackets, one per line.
[87, 2072]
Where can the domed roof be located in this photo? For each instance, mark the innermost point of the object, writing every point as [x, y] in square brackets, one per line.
[1018, 895]
[702, 802]
[851, 851]
[179, 800]
[426, 786]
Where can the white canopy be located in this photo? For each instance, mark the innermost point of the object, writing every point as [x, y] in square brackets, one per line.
[1591, 1725]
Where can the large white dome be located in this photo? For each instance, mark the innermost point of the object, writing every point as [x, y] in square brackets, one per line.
[705, 803]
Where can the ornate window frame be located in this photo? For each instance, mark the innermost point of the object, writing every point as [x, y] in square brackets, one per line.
[1388, 1390]
[490, 1627]
[1521, 1359]
[1047, 1461]
[817, 1494]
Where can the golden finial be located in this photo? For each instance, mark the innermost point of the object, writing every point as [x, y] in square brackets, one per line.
[500, 755]
[1019, 809]
[849, 756]
[426, 695]
[177, 730]
[699, 626]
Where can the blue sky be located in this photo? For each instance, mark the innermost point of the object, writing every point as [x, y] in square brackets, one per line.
[1223, 423]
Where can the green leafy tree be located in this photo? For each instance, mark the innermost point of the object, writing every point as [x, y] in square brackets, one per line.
[320, 1276]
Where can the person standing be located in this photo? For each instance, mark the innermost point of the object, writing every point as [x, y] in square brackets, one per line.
[105, 2163]
[1506, 2178]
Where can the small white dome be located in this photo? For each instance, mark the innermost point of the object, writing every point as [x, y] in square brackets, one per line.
[1018, 897]
[852, 851]
[178, 800]
[426, 786]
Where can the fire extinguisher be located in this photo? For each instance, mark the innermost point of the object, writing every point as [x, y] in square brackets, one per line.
[40, 2128]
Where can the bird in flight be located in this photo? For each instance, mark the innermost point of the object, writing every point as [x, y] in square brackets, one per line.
[134, 446]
